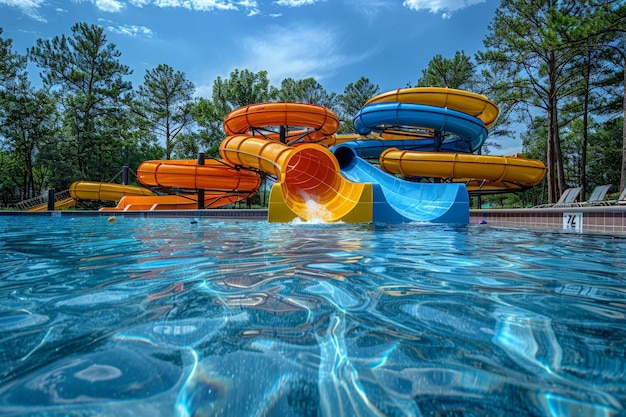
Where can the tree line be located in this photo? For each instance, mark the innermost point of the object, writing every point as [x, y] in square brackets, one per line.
[554, 67]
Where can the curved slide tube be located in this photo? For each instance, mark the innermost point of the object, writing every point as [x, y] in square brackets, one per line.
[486, 174]
[310, 185]
[222, 184]
[462, 101]
[379, 116]
[396, 200]
[319, 121]
[186, 174]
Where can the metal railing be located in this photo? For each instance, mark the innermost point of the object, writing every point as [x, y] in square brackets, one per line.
[42, 200]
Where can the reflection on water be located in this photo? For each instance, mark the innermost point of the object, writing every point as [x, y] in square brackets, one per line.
[198, 317]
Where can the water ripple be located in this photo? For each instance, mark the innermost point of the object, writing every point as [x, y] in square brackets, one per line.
[173, 317]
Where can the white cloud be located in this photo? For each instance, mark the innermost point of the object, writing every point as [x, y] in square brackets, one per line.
[294, 52]
[445, 7]
[140, 3]
[29, 7]
[201, 5]
[112, 6]
[296, 3]
[132, 31]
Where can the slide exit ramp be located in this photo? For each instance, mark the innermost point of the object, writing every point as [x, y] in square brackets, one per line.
[396, 200]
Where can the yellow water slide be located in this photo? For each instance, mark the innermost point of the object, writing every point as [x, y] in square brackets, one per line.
[310, 185]
[481, 173]
[105, 191]
[466, 102]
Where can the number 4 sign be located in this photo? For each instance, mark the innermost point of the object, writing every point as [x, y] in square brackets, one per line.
[573, 222]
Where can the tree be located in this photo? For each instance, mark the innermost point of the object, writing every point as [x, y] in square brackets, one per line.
[11, 63]
[524, 42]
[28, 124]
[241, 89]
[165, 100]
[352, 100]
[457, 72]
[307, 90]
[85, 72]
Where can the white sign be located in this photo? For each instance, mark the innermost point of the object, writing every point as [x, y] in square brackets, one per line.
[573, 222]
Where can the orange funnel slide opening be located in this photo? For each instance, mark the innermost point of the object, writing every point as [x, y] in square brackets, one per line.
[311, 185]
[311, 174]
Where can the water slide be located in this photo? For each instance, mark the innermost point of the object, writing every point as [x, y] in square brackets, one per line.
[454, 124]
[413, 133]
[221, 184]
[309, 182]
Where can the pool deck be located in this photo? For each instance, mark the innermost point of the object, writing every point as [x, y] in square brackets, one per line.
[609, 220]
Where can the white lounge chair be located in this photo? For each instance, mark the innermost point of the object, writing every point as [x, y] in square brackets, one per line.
[597, 196]
[567, 198]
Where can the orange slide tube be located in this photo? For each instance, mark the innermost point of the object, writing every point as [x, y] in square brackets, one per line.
[188, 175]
[320, 121]
[309, 185]
[222, 184]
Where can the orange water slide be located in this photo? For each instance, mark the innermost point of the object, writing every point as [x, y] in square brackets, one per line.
[310, 185]
[186, 174]
[175, 202]
[304, 122]
[221, 184]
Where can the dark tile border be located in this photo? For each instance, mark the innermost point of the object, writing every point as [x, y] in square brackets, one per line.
[609, 220]
[254, 214]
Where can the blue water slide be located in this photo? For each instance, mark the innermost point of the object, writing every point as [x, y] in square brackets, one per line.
[378, 117]
[398, 201]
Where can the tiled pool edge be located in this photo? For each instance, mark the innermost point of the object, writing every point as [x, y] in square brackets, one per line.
[243, 214]
[610, 220]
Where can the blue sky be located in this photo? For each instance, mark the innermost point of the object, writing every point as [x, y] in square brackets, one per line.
[335, 41]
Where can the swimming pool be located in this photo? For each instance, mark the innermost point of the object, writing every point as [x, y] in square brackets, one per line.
[195, 317]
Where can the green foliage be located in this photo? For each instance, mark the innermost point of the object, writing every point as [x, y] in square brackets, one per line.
[165, 101]
[458, 72]
[352, 100]
[86, 73]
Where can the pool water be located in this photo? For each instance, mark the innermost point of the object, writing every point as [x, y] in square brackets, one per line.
[201, 317]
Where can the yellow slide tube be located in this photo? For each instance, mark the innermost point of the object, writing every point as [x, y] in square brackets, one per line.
[460, 100]
[310, 185]
[514, 169]
[93, 190]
